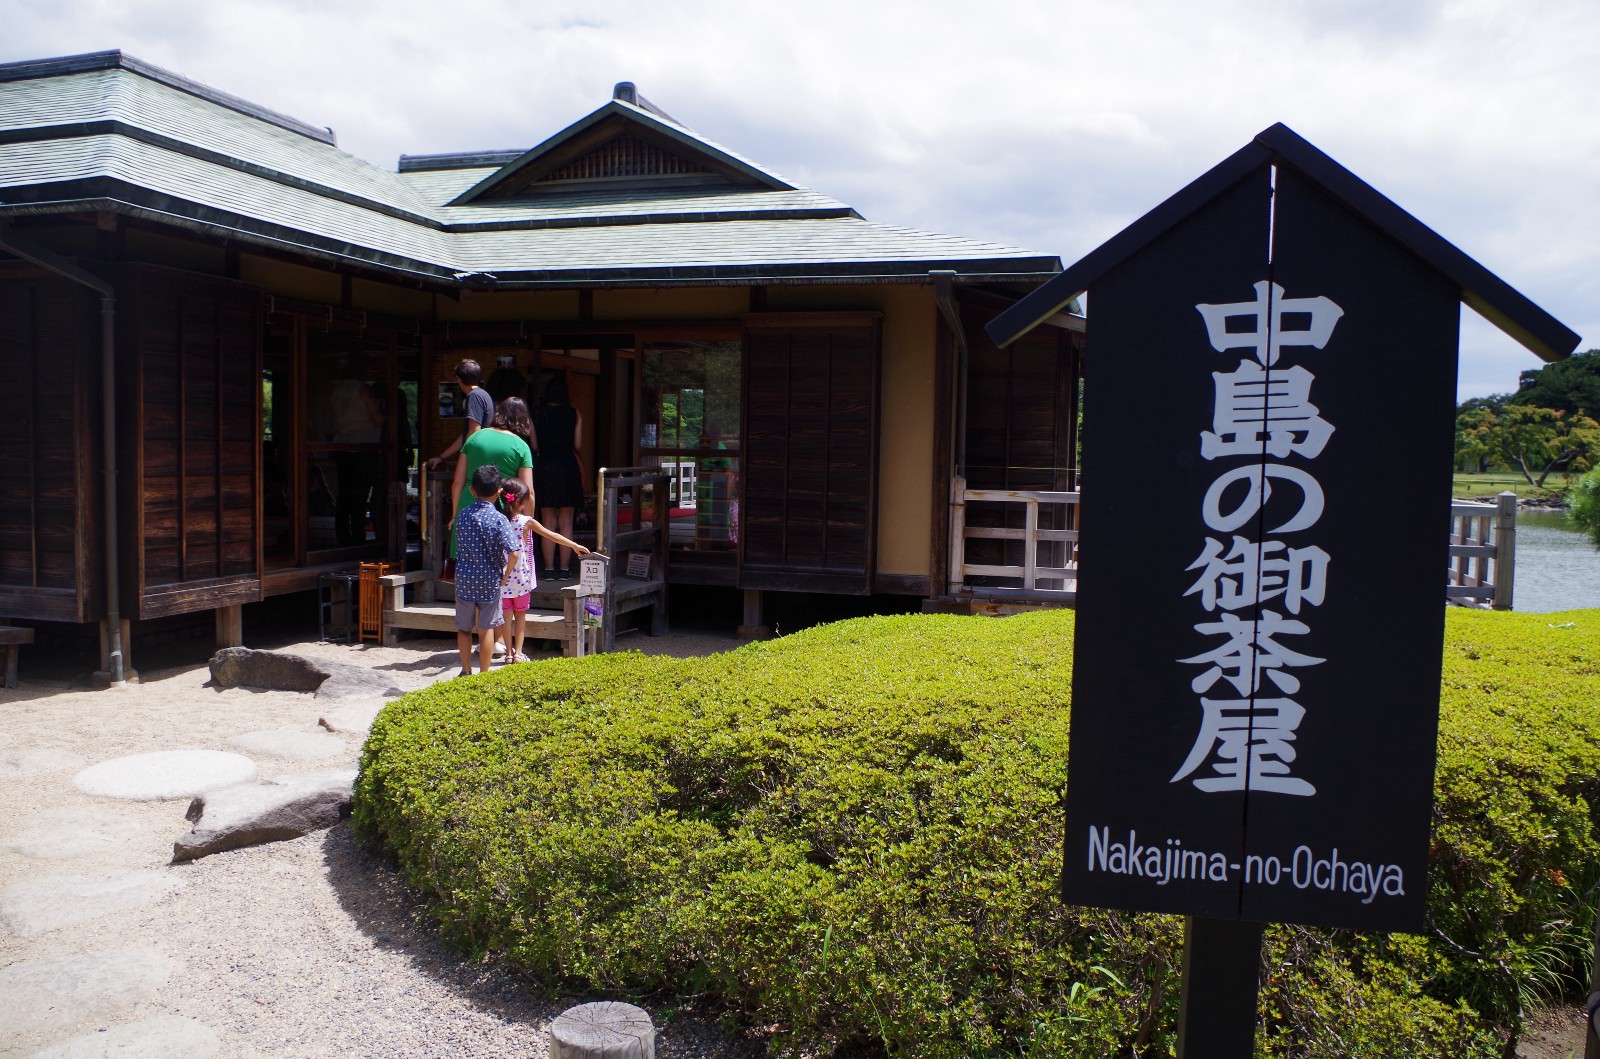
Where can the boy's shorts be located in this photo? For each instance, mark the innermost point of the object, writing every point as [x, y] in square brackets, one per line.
[473, 615]
[516, 603]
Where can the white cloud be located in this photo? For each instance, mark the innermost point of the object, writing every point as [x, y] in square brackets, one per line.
[1042, 124]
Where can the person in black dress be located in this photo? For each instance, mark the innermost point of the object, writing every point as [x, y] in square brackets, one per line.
[557, 480]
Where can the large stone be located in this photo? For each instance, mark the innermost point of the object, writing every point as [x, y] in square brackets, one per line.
[161, 1037]
[606, 1029]
[165, 774]
[72, 832]
[53, 993]
[271, 811]
[241, 667]
[35, 906]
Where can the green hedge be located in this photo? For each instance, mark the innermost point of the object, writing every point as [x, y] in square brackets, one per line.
[853, 835]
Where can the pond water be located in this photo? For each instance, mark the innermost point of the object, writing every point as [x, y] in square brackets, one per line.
[1558, 568]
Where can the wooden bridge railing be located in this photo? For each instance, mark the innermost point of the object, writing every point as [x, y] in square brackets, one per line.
[1047, 570]
[1483, 541]
[1483, 553]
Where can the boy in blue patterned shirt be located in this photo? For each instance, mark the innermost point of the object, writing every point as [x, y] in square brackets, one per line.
[486, 553]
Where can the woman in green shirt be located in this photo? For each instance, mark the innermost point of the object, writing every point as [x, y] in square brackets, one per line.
[498, 445]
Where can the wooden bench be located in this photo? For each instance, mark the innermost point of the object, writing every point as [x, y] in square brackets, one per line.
[557, 613]
[11, 640]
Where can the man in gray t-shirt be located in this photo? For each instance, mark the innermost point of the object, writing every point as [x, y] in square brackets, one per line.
[480, 408]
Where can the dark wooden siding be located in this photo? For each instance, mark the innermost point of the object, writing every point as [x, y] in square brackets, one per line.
[1021, 407]
[49, 339]
[1022, 413]
[192, 347]
[810, 464]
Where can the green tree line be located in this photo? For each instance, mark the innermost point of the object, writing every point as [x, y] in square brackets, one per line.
[1547, 426]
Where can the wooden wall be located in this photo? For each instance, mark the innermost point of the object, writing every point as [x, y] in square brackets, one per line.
[189, 351]
[49, 346]
[810, 457]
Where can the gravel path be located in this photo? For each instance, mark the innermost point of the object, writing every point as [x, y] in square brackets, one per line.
[305, 948]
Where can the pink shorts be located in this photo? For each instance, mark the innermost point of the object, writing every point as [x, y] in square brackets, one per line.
[516, 603]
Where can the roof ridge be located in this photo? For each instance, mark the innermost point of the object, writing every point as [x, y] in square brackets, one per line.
[116, 59]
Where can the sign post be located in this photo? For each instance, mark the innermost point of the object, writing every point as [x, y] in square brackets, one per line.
[1256, 674]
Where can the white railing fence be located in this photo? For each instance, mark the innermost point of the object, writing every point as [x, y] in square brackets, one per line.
[1483, 553]
[991, 555]
[1023, 544]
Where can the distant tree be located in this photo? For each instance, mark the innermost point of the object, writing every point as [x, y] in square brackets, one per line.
[1476, 419]
[1543, 440]
[1571, 385]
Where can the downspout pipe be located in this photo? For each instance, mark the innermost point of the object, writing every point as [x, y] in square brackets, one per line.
[943, 293]
[26, 249]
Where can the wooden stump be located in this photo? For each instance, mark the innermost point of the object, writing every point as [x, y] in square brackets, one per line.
[603, 1030]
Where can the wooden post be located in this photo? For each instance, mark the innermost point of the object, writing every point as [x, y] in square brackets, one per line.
[604, 1030]
[1221, 975]
[958, 533]
[751, 628]
[1505, 556]
[230, 626]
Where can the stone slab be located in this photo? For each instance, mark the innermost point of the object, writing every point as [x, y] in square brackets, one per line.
[274, 810]
[35, 906]
[354, 717]
[37, 761]
[165, 774]
[49, 994]
[162, 1037]
[72, 832]
[289, 745]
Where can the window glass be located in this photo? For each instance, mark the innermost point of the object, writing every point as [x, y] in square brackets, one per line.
[689, 426]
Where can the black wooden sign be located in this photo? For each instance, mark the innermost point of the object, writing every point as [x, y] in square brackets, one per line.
[1259, 632]
[1271, 362]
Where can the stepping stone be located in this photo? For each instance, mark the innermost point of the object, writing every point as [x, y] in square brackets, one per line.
[50, 994]
[603, 1030]
[162, 1037]
[35, 761]
[165, 774]
[36, 906]
[274, 810]
[289, 745]
[72, 833]
[355, 717]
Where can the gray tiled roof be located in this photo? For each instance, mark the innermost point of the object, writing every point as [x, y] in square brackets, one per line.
[108, 130]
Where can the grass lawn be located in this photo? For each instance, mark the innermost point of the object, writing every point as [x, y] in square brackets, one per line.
[1479, 486]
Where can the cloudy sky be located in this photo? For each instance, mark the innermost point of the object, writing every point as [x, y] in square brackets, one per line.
[1044, 124]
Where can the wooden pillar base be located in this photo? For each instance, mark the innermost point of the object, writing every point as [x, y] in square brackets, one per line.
[751, 628]
[230, 626]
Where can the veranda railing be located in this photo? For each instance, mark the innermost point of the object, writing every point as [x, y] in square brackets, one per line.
[1013, 543]
[1023, 544]
[1483, 553]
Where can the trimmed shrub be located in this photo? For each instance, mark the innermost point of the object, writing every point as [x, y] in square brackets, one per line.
[1583, 505]
[853, 835]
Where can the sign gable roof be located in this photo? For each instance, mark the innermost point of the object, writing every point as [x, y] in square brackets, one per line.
[1279, 145]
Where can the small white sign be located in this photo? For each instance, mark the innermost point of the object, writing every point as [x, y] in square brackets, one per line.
[639, 565]
[592, 576]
